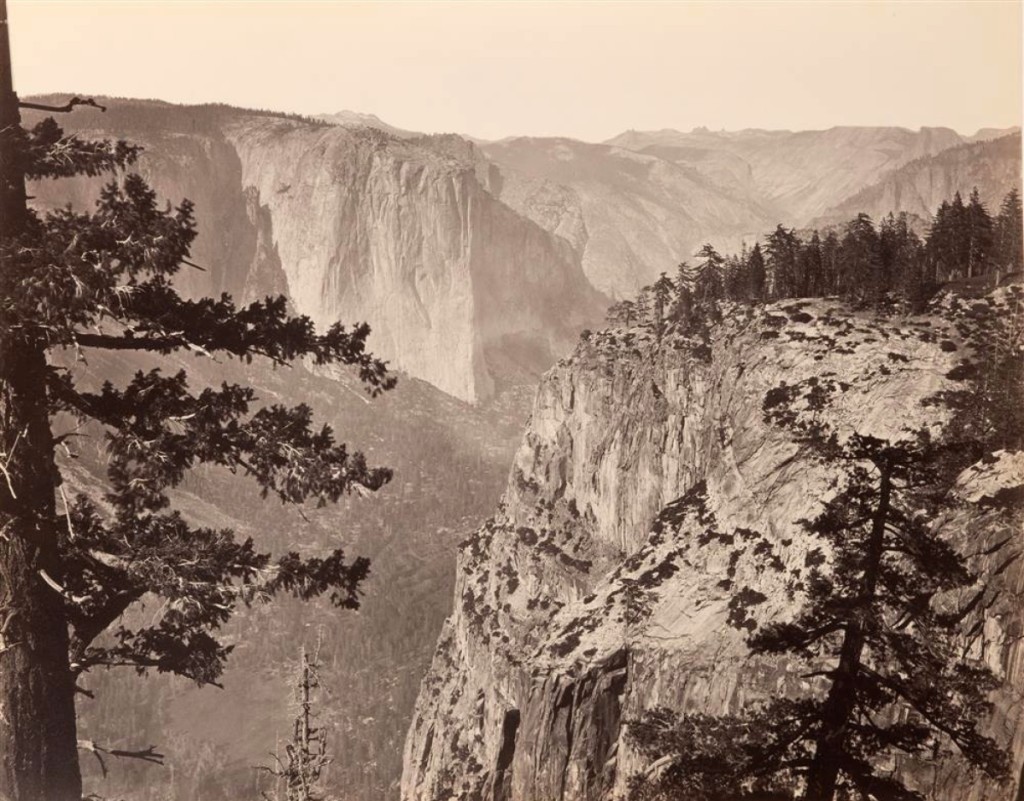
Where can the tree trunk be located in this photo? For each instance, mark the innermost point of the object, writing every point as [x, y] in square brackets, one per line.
[840, 706]
[38, 741]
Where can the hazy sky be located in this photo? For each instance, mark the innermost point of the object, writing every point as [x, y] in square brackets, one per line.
[587, 70]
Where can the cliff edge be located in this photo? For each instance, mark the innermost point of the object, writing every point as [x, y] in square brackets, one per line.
[647, 486]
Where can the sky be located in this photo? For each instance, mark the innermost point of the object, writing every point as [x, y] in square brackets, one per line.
[587, 70]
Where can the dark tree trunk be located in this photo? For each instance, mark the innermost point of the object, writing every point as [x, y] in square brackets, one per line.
[840, 706]
[38, 741]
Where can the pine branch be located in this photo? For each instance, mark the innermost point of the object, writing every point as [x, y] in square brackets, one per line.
[146, 343]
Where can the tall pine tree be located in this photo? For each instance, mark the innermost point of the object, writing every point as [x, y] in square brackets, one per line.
[782, 247]
[1009, 243]
[72, 282]
[979, 236]
[860, 267]
[757, 273]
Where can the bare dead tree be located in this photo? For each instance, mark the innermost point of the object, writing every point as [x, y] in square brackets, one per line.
[298, 772]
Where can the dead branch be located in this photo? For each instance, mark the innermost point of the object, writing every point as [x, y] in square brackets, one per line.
[51, 582]
[69, 106]
[145, 754]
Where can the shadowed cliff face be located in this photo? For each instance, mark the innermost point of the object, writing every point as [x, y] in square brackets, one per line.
[647, 490]
[358, 225]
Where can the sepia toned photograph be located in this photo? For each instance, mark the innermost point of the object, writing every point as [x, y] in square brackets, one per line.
[511, 400]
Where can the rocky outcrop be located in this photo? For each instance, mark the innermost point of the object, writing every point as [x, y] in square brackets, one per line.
[627, 560]
[356, 224]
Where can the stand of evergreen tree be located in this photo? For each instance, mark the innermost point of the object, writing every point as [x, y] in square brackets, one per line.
[886, 265]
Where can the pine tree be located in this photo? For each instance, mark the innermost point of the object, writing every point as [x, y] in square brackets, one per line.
[891, 676]
[872, 619]
[621, 313]
[959, 235]
[860, 277]
[682, 307]
[980, 235]
[643, 305]
[812, 268]
[737, 279]
[830, 251]
[72, 282]
[902, 259]
[782, 247]
[1009, 242]
[662, 292]
[707, 281]
[756, 273]
[939, 244]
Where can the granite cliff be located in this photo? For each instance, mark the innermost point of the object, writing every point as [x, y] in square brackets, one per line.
[358, 224]
[647, 486]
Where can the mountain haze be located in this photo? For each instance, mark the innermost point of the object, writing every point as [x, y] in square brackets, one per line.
[799, 174]
[918, 187]
[641, 203]
[631, 215]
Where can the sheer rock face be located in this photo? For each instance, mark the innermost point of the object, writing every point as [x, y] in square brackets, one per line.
[406, 236]
[355, 224]
[594, 593]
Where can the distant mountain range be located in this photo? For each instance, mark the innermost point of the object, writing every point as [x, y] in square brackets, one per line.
[644, 201]
[918, 187]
